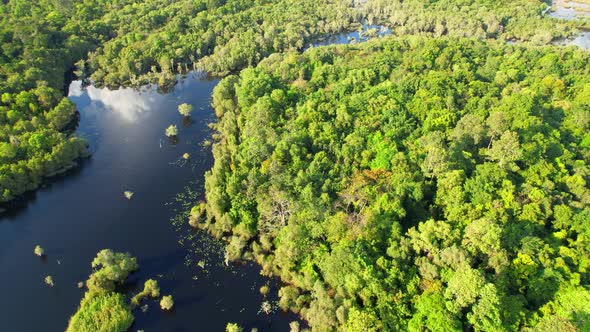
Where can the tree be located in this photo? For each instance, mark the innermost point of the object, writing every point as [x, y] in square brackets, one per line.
[233, 327]
[150, 289]
[171, 131]
[49, 281]
[432, 314]
[497, 124]
[167, 302]
[39, 251]
[486, 313]
[506, 150]
[463, 287]
[436, 160]
[113, 268]
[185, 109]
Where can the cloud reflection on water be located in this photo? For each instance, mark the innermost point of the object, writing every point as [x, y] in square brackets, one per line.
[128, 102]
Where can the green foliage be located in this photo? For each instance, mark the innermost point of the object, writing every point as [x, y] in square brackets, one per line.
[111, 269]
[185, 109]
[106, 312]
[167, 302]
[150, 289]
[126, 42]
[39, 251]
[233, 327]
[103, 309]
[171, 131]
[410, 183]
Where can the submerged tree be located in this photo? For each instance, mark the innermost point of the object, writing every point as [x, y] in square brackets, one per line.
[185, 109]
[150, 289]
[172, 131]
[39, 251]
[49, 281]
[167, 302]
[233, 327]
[128, 194]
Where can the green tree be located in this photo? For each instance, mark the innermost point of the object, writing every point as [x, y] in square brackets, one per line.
[171, 131]
[167, 302]
[185, 109]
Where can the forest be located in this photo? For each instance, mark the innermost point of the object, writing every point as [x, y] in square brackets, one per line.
[411, 183]
[433, 180]
[129, 43]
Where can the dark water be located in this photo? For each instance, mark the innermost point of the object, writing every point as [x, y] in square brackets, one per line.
[364, 33]
[572, 11]
[76, 216]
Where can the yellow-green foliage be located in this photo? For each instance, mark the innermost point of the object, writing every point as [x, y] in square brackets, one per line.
[167, 302]
[101, 313]
[411, 183]
[150, 289]
[102, 309]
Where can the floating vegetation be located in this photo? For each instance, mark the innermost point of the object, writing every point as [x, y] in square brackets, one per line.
[200, 245]
[144, 307]
[80, 284]
[267, 308]
[186, 156]
[49, 281]
[128, 194]
[39, 251]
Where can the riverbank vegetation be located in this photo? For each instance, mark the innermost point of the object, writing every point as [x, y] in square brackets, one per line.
[411, 183]
[125, 42]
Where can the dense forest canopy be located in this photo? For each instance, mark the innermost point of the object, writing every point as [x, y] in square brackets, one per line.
[411, 183]
[134, 42]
